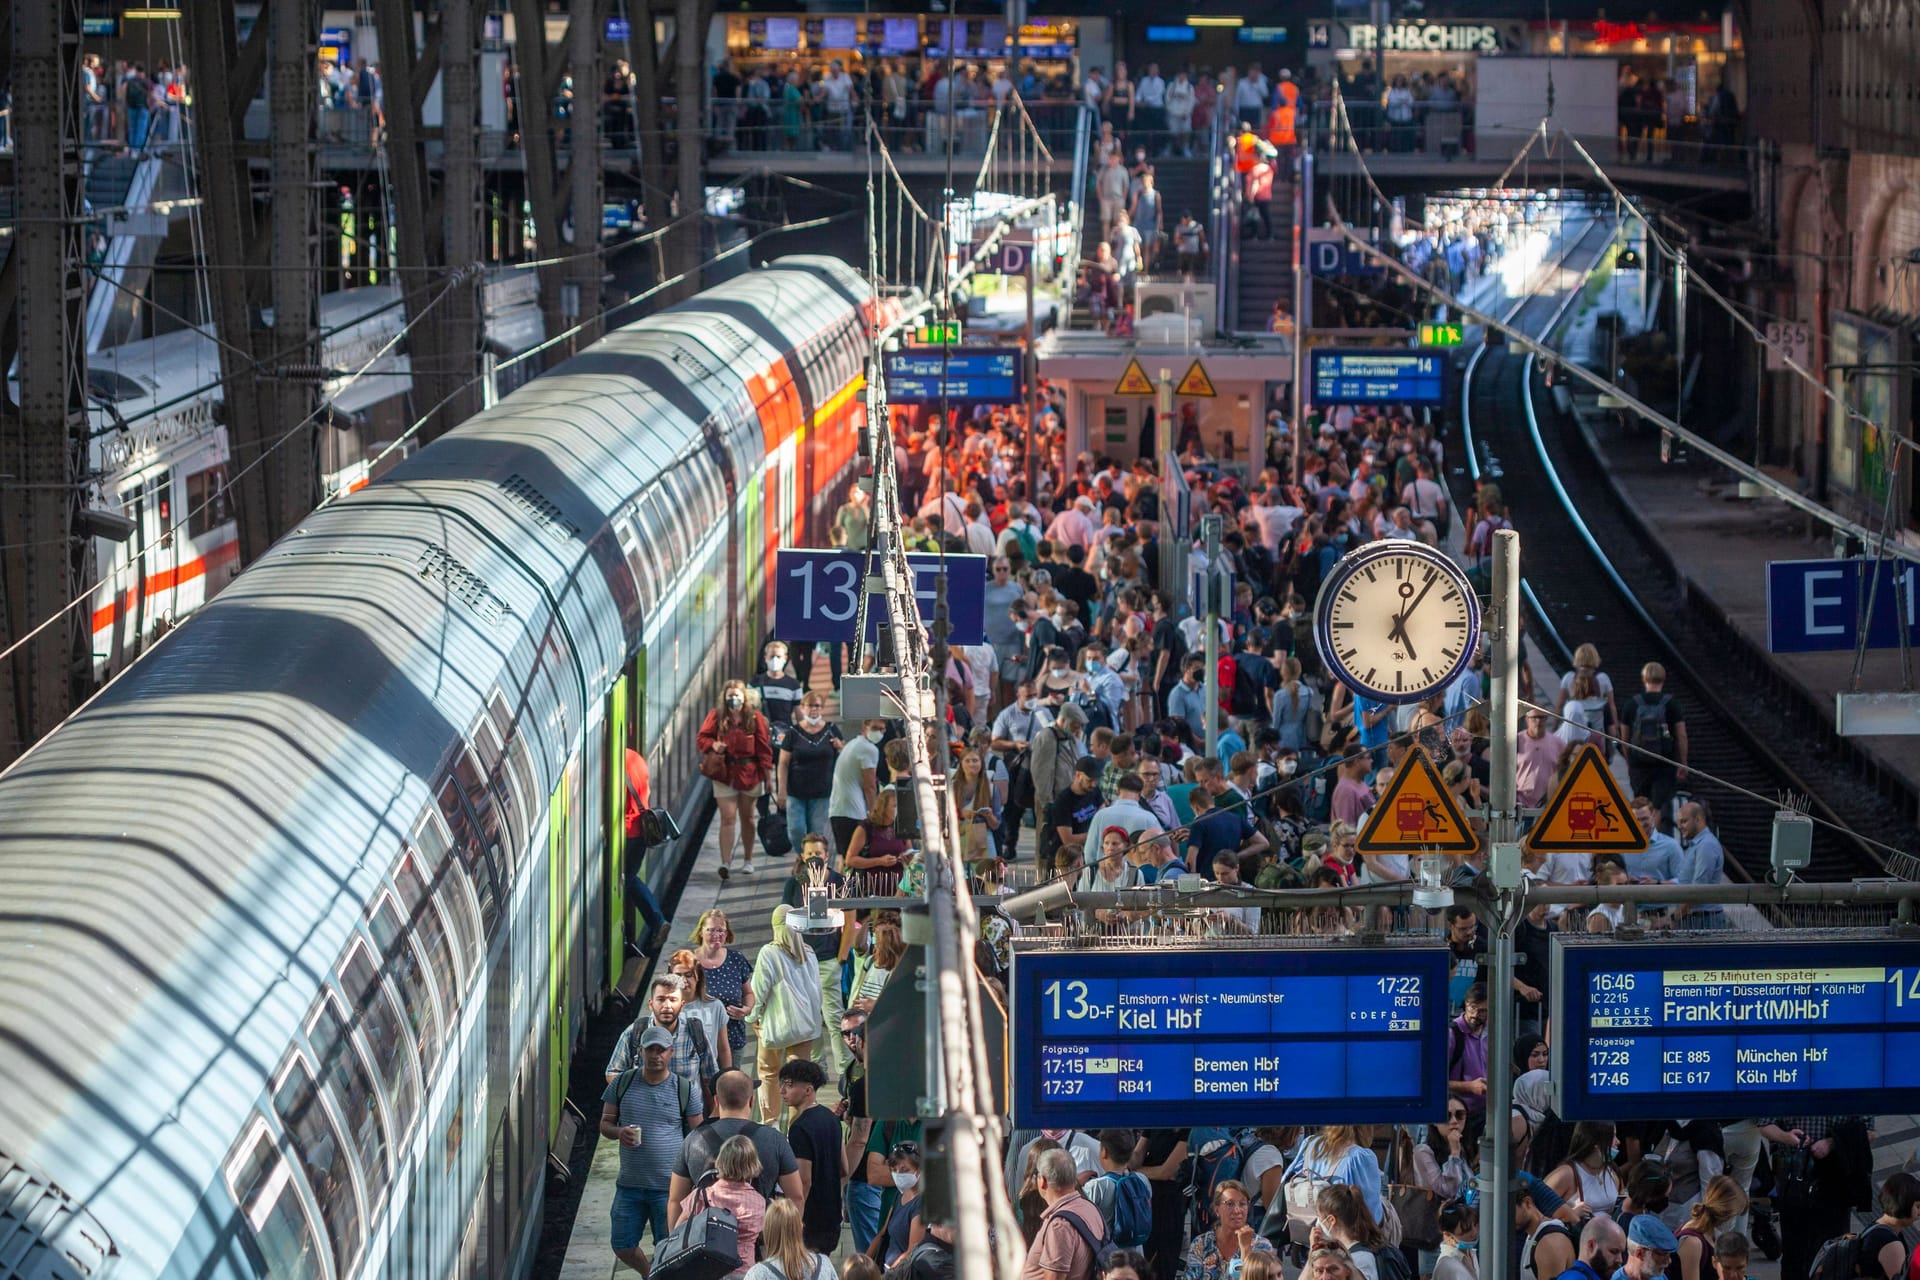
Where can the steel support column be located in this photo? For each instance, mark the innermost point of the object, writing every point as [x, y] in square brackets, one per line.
[690, 87]
[43, 437]
[538, 72]
[225, 80]
[584, 175]
[461, 197]
[292, 482]
[434, 376]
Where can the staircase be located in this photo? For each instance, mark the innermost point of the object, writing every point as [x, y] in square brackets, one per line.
[1183, 188]
[1266, 268]
[120, 192]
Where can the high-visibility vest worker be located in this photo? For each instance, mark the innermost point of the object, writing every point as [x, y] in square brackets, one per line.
[1246, 149]
[1280, 122]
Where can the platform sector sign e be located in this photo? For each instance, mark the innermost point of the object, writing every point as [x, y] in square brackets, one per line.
[1316, 1034]
[1686, 1027]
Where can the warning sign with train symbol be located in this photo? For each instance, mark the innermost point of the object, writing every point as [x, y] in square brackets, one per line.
[1588, 813]
[1417, 814]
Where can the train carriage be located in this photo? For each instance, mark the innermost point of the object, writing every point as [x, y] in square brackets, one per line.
[304, 912]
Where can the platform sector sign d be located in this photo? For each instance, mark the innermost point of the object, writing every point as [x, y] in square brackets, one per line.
[1588, 814]
[1319, 1034]
[1687, 1026]
[817, 595]
[1418, 814]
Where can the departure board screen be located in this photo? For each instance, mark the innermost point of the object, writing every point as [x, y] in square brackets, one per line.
[1322, 1035]
[1684, 1028]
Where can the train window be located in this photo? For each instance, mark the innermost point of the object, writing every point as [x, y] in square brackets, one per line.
[432, 932]
[430, 841]
[513, 810]
[409, 973]
[486, 816]
[322, 1157]
[666, 529]
[351, 1086]
[262, 1185]
[471, 858]
[519, 762]
[207, 507]
[386, 1042]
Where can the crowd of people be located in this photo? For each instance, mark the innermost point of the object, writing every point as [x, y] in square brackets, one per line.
[128, 106]
[1083, 744]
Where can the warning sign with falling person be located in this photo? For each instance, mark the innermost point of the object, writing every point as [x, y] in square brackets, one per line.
[1418, 814]
[1588, 813]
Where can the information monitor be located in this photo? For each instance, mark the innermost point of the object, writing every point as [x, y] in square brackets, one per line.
[1318, 1033]
[1698, 1026]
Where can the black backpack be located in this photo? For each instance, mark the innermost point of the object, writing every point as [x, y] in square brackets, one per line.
[1838, 1259]
[1649, 731]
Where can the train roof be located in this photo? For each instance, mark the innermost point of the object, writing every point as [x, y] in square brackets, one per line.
[185, 858]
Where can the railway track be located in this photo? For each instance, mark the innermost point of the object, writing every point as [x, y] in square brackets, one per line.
[1592, 578]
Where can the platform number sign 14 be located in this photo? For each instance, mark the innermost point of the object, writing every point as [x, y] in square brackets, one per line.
[1397, 620]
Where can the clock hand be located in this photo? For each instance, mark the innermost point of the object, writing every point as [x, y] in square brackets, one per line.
[1399, 632]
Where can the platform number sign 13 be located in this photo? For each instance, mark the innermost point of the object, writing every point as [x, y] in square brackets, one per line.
[1397, 620]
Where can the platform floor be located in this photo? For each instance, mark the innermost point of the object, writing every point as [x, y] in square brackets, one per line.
[1722, 544]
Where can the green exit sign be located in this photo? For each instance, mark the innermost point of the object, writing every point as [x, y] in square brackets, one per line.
[1439, 335]
[937, 335]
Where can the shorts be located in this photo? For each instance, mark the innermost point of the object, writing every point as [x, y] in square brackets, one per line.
[721, 791]
[635, 1208]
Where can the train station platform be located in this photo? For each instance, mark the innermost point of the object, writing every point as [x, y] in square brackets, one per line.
[1719, 544]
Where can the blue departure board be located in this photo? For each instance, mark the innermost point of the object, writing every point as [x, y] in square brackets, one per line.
[1685, 1028]
[991, 374]
[1310, 1035]
[1378, 376]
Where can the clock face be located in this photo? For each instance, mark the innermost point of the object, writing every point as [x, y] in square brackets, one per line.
[1397, 620]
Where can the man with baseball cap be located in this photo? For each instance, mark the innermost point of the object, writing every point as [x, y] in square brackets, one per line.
[648, 1110]
[1070, 815]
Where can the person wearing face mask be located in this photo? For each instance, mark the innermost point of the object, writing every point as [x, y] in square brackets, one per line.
[856, 783]
[803, 785]
[830, 947]
[780, 691]
[1459, 1256]
[903, 1228]
[736, 753]
[1103, 686]
[1586, 1176]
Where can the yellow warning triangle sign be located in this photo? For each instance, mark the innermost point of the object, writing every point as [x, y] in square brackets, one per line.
[1195, 382]
[1418, 814]
[1588, 814]
[1134, 382]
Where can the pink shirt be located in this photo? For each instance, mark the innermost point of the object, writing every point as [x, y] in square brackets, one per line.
[748, 1207]
[1535, 761]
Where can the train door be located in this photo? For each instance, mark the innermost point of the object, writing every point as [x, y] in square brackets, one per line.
[615, 865]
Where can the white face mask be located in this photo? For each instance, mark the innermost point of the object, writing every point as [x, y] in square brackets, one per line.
[735, 700]
[874, 735]
[1289, 767]
[776, 664]
[812, 718]
[906, 1181]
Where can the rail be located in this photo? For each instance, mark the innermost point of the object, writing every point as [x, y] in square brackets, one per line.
[907, 125]
[1727, 722]
[1451, 131]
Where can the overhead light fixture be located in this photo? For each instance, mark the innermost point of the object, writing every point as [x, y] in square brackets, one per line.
[161, 15]
[1216, 22]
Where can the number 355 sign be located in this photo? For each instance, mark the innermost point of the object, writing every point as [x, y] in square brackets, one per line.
[817, 595]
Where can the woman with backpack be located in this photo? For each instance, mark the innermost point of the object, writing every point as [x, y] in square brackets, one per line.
[1340, 1155]
[787, 1010]
[1346, 1219]
[1591, 687]
[1880, 1249]
[1297, 711]
[1210, 1255]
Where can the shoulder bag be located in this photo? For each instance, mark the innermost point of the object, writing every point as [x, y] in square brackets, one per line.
[705, 1246]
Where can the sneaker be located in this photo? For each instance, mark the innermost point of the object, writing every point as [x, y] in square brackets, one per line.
[746, 869]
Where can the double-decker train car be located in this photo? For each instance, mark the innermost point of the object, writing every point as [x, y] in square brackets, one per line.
[301, 916]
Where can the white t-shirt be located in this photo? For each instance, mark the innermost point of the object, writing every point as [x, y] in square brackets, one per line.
[770, 1270]
[849, 798]
[1082, 1146]
[1266, 1156]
